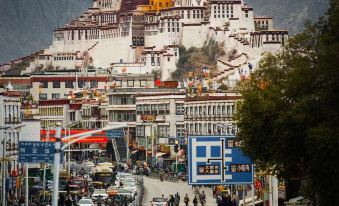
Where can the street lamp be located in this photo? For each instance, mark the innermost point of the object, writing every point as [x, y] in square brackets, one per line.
[4, 160]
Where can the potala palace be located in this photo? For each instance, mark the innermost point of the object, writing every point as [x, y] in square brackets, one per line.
[141, 36]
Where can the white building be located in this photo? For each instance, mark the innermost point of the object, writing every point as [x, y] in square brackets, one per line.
[161, 116]
[210, 115]
[140, 41]
[10, 123]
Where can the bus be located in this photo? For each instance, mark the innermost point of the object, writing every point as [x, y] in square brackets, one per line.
[103, 174]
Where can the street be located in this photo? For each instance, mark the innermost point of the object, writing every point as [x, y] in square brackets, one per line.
[155, 188]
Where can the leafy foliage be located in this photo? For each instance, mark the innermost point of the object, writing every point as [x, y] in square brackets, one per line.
[193, 58]
[289, 118]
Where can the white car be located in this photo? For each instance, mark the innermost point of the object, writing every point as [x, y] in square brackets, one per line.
[126, 192]
[86, 202]
[130, 186]
[159, 201]
[99, 194]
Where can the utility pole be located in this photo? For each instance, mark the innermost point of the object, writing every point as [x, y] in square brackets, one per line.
[3, 168]
[56, 166]
[73, 139]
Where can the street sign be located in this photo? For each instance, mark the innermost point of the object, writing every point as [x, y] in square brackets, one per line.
[115, 133]
[218, 160]
[36, 152]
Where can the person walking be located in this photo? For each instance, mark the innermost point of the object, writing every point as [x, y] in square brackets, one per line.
[195, 201]
[186, 200]
[235, 200]
[171, 200]
[202, 198]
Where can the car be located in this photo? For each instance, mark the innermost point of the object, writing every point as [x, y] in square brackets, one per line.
[126, 192]
[86, 202]
[130, 186]
[112, 190]
[159, 201]
[99, 194]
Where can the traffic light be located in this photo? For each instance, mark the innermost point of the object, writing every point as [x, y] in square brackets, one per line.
[176, 148]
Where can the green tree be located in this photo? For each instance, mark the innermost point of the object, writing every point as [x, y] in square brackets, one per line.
[289, 117]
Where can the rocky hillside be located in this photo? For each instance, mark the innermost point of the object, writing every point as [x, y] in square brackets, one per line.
[27, 25]
[290, 14]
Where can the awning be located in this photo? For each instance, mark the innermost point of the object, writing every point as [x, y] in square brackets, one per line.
[135, 151]
[159, 154]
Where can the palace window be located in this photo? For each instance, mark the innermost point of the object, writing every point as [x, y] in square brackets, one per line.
[55, 96]
[93, 84]
[56, 84]
[42, 96]
[44, 84]
[142, 83]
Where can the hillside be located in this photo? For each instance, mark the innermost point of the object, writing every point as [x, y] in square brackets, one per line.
[27, 25]
[290, 14]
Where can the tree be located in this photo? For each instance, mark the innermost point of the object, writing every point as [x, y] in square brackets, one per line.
[289, 117]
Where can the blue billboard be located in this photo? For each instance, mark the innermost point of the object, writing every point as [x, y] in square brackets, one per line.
[218, 160]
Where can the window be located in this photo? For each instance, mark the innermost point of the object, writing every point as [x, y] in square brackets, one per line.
[81, 83]
[140, 131]
[139, 109]
[180, 108]
[69, 84]
[56, 84]
[163, 130]
[118, 83]
[142, 83]
[188, 14]
[55, 96]
[147, 109]
[162, 108]
[180, 130]
[42, 96]
[168, 59]
[44, 84]
[72, 116]
[130, 83]
[93, 84]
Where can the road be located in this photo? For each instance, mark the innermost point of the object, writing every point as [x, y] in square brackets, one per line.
[155, 188]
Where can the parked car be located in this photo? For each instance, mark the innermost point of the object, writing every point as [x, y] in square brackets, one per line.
[130, 186]
[86, 202]
[126, 192]
[112, 190]
[99, 194]
[159, 201]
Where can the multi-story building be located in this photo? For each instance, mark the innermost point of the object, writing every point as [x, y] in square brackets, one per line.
[58, 84]
[161, 117]
[210, 115]
[94, 114]
[10, 128]
[53, 111]
[122, 107]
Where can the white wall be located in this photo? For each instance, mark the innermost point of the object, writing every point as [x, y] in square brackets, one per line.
[31, 130]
